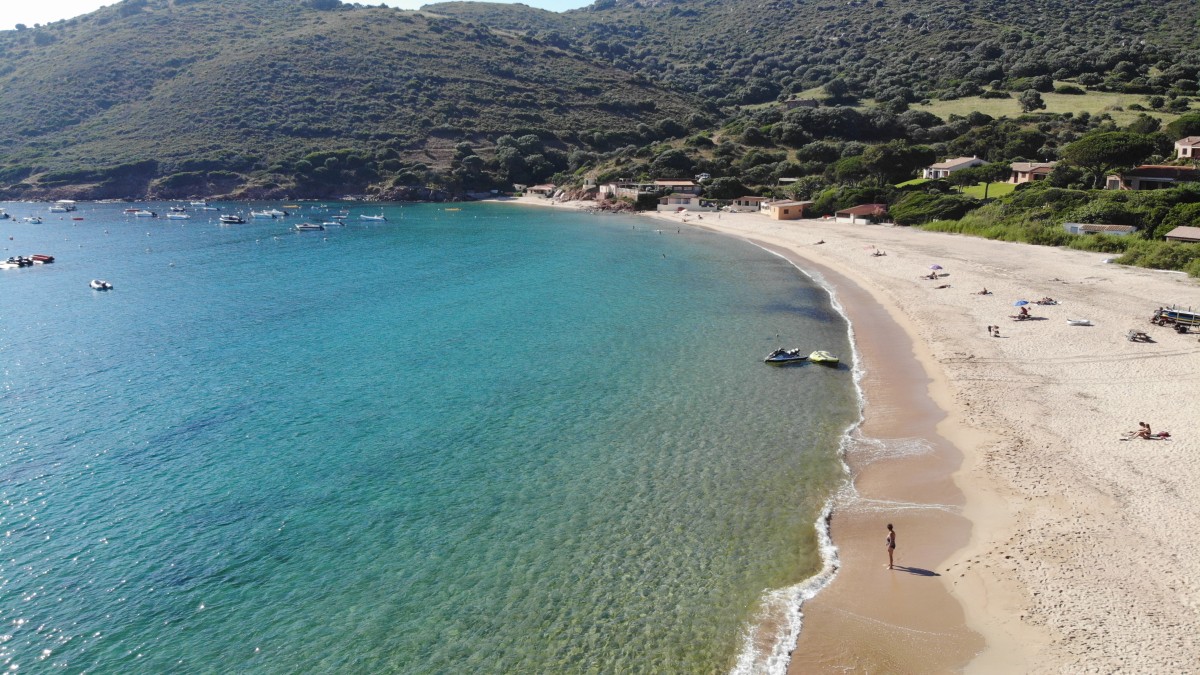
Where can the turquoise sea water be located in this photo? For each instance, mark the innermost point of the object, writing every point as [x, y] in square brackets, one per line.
[497, 439]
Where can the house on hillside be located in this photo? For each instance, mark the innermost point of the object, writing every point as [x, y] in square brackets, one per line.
[744, 204]
[681, 201]
[627, 189]
[684, 186]
[1089, 228]
[943, 169]
[784, 209]
[1188, 148]
[863, 214]
[1151, 177]
[793, 103]
[1184, 233]
[1028, 172]
[543, 190]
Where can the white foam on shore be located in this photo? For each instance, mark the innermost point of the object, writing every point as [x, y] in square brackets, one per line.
[866, 450]
[781, 610]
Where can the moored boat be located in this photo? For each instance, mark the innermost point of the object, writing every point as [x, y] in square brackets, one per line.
[198, 203]
[308, 227]
[177, 216]
[363, 216]
[824, 358]
[36, 220]
[41, 258]
[231, 219]
[100, 285]
[144, 213]
[785, 356]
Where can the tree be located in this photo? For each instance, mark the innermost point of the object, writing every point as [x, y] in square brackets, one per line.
[1184, 125]
[725, 188]
[1105, 152]
[837, 89]
[986, 174]
[1031, 100]
[896, 161]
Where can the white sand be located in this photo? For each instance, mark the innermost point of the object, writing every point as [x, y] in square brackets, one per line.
[1085, 548]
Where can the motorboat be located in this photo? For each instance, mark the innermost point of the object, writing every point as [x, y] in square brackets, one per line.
[785, 356]
[62, 206]
[308, 227]
[276, 213]
[824, 358]
[334, 223]
[16, 262]
[200, 203]
[41, 258]
[231, 219]
[178, 209]
[210, 208]
[131, 210]
[177, 216]
[144, 213]
[100, 285]
[4, 215]
[261, 214]
[363, 216]
[340, 216]
[36, 220]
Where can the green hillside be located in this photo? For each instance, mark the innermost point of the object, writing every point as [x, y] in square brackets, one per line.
[191, 97]
[256, 85]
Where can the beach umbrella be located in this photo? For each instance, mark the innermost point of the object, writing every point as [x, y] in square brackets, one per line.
[935, 267]
[1020, 303]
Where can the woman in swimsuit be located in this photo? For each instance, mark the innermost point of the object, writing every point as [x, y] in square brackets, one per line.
[891, 544]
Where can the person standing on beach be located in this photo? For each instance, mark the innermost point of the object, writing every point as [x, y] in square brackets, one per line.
[891, 544]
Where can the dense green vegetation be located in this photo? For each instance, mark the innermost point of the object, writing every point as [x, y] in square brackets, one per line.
[255, 86]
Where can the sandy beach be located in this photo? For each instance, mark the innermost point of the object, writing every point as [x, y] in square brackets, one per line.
[1033, 536]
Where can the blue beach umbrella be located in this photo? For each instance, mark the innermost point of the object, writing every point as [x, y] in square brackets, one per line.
[1020, 303]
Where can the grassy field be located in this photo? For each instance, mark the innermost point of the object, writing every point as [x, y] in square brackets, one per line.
[993, 190]
[1094, 102]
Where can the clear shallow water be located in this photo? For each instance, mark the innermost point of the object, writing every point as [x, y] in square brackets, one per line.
[489, 440]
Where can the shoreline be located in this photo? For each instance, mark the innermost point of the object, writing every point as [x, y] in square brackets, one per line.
[1072, 552]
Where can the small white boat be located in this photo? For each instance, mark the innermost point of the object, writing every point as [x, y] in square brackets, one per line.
[177, 216]
[1079, 322]
[210, 208]
[231, 219]
[4, 215]
[823, 358]
[144, 213]
[276, 213]
[261, 214]
[198, 203]
[36, 220]
[363, 216]
[100, 285]
[334, 223]
[178, 209]
[308, 227]
[781, 357]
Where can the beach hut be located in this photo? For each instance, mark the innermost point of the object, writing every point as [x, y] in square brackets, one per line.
[785, 210]
[863, 214]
